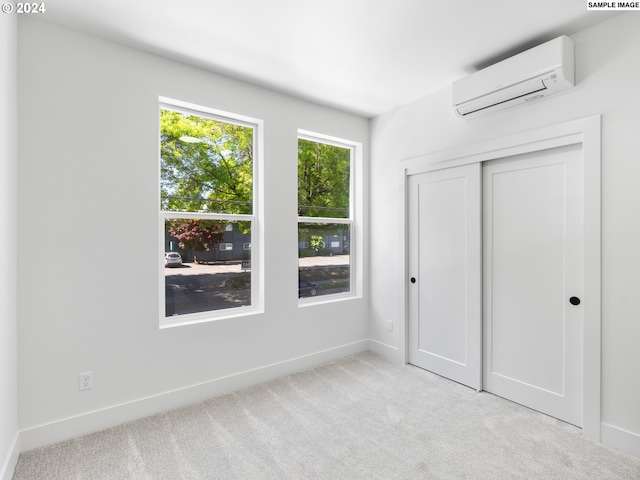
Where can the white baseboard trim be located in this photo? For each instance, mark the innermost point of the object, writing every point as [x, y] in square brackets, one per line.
[10, 462]
[621, 439]
[57, 431]
[384, 350]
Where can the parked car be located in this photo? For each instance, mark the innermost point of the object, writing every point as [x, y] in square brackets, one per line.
[172, 259]
[307, 289]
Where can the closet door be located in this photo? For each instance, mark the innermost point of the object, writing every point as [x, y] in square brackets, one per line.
[533, 281]
[445, 273]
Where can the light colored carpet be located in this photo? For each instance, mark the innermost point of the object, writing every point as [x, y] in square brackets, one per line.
[358, 418]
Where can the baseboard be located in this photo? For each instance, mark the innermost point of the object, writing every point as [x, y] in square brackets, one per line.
[11, 460]
[621, 439]
[97, 420]
[384, 350]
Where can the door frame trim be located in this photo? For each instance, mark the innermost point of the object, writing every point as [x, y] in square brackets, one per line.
[587, 133]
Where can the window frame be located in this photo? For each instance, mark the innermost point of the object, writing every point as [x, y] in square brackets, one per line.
[354, 220]
[255, 218]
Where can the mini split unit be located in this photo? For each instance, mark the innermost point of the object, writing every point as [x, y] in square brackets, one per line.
[530, 75]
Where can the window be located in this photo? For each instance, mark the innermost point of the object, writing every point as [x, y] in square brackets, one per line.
[207, 203]
[326, 216]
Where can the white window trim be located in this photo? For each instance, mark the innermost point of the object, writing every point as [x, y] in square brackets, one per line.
[355, 220]
[257, 232]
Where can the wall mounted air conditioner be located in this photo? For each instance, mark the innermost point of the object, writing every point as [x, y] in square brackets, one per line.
[528, 76]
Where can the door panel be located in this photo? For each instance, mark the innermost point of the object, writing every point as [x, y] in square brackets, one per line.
[532, 214]
[444, 256]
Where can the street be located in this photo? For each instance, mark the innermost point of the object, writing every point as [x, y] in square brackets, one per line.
[193, 287]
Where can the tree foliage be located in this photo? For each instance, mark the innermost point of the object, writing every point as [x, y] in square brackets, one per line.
[206, 165]
[196, 234]
[316, 243]
[323, 180]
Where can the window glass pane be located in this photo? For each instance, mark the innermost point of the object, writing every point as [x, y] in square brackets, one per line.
[323, 259]
[206, 266]
[323, 180]
[206, 165]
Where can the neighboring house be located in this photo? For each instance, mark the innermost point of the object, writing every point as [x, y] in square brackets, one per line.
[233, 246]
[237, 246]
[333, 244]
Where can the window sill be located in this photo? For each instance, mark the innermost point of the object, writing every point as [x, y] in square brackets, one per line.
[206, 317]
[321, 300]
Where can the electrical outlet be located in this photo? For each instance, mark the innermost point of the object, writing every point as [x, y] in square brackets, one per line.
[86, 381]
[389, 325]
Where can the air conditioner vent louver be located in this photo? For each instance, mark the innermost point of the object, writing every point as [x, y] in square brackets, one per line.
[536, 73]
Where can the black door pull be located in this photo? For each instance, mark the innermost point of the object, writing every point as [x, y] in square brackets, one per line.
[413, 279]
[574, 301]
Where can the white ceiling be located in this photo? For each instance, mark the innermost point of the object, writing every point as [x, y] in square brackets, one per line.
[363, 56]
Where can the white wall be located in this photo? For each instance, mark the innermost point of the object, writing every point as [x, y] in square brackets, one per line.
[608, 74]
[88, 218]
[8, 245]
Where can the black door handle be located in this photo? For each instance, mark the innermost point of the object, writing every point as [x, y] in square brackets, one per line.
[413, 279]
[574, 301]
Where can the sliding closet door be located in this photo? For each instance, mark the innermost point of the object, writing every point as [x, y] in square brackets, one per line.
[533, 280]
[445, 273]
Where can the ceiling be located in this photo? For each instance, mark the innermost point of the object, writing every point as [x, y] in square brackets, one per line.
[362, 56]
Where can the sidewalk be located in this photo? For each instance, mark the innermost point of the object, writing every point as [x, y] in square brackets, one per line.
[198, 269]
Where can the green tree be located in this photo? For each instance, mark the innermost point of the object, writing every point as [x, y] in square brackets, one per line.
[206, 165]
[323, 180]
[316, 243]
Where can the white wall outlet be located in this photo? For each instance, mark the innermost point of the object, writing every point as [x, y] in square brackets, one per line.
[86, 381]
[389, 325]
